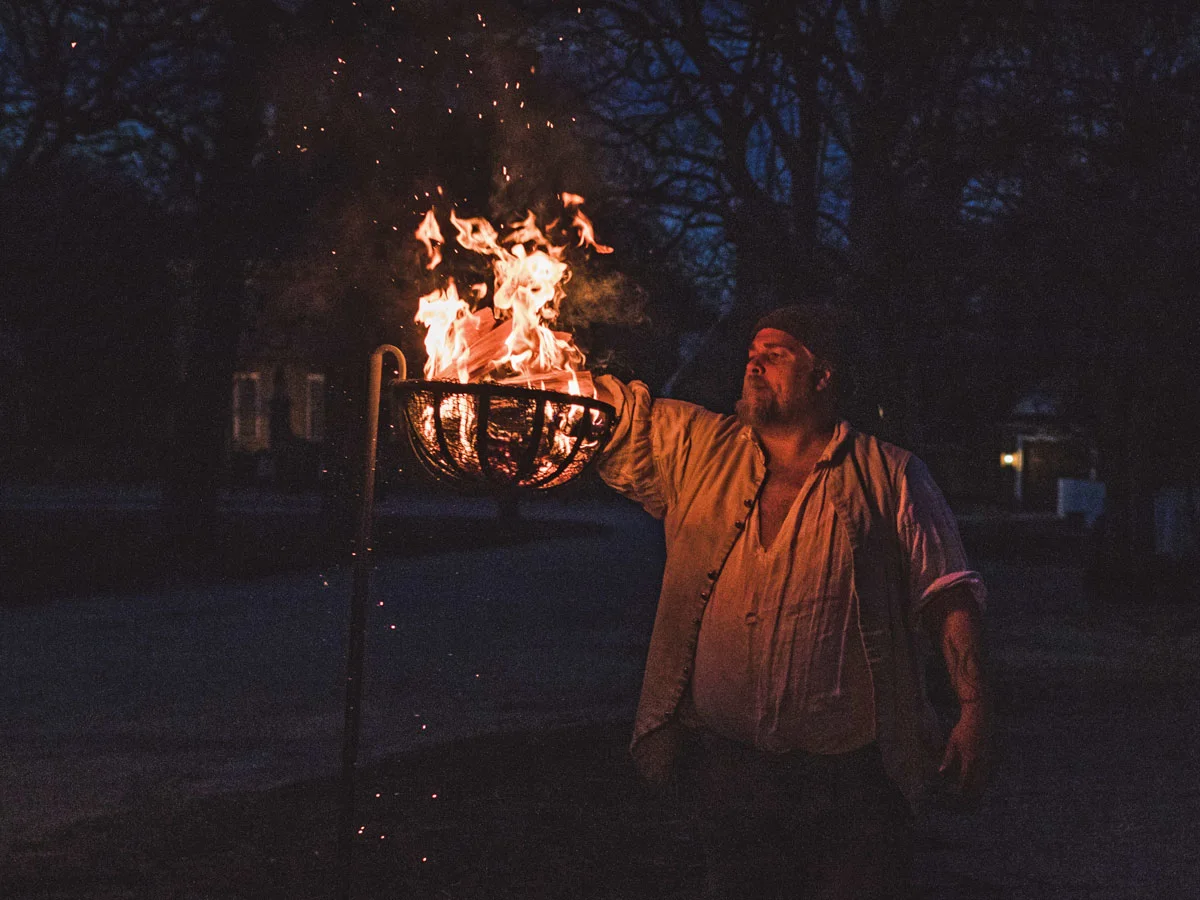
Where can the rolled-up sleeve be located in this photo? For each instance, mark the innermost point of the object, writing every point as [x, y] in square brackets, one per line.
[929, 533]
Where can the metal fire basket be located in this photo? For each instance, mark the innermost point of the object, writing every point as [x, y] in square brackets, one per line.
[491, 436]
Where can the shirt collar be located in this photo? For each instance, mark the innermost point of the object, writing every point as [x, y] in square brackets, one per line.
[843, 434]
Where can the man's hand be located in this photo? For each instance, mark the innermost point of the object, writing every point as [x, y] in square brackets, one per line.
[605, 393]
[966, 764]
[656, 755]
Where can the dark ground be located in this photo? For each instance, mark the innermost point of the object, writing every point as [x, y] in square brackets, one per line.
[52, 553]
[45, 555]
[1096, 794]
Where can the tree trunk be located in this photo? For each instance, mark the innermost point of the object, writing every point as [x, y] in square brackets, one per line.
[203, 399]
[1122, 570]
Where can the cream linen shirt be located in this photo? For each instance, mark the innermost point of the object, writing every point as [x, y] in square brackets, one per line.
[780, 662]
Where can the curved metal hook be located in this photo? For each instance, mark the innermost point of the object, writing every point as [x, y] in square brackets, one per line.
[383, 349]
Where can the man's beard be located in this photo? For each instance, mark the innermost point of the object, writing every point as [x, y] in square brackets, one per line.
[762, 408]
[758, 412]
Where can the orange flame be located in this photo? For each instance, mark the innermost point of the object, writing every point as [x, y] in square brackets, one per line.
[510, 343]
[587, 232]
[430, 235]
[445, 341]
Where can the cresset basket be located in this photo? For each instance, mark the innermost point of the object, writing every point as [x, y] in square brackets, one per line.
[492, 436]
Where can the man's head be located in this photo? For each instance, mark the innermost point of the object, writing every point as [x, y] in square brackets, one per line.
[793, 369]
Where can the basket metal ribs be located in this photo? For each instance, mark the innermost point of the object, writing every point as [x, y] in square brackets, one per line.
[501, 436]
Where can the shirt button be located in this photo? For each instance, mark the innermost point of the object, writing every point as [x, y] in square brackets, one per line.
[712, 576]
[739, 525]
[748, 503]
[706, 595]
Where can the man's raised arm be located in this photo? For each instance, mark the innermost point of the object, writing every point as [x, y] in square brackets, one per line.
[628, 464]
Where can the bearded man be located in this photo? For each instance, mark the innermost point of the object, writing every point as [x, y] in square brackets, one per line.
[809, 568]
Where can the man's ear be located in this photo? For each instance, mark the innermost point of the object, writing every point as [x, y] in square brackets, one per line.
[822, 377]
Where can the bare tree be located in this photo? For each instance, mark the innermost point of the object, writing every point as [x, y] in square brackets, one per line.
[106, 78]
[799, 148]
[170, 93]
[1107, 222]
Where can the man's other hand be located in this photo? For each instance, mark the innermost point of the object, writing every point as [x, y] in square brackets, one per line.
[966, 763]
[656, 755]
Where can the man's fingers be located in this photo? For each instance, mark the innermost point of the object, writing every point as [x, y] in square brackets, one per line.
[950, 759]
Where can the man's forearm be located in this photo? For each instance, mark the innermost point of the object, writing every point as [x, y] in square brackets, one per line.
[962, 648]
[955, 621]
[954, 618]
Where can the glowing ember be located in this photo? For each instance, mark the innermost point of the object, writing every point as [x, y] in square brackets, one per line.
[510, 342]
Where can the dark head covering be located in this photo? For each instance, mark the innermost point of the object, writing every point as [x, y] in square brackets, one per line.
[817, 329]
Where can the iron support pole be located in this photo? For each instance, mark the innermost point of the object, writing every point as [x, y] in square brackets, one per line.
[358, 615]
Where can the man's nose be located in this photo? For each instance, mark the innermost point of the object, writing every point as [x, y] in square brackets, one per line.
[754, 366]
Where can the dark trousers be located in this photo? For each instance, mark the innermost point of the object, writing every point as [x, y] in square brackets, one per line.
[797, 826]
